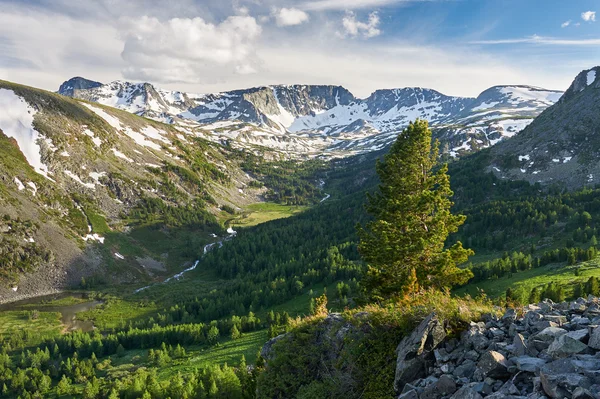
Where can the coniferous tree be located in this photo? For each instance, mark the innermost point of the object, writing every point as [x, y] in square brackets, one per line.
[412, 219]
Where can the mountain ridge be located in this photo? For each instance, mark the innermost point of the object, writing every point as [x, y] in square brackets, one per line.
[328, 119]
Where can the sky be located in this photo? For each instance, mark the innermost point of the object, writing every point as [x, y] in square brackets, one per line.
[458, 47]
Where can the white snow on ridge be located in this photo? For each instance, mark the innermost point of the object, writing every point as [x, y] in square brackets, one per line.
[111, 120]
[524, 157]
[16, 121]
[518, 94]
[591, 77]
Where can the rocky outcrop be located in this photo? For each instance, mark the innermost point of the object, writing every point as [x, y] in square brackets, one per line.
[416, 350]
[548, 350]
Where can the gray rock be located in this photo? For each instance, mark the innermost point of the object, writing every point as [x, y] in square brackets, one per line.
[472, 355]
[509, 317]
[558, 319]
[582, 393]
[559, 379]
[465, 370]
[567, 344]
[532, 317]
[528, 363]
[412, 394]
[415, 350]
[475, 337]
[519, 347]
[466, 393]
[540, 325]
[492, 364]
[445, 386]
[550, 334]
[594, 341]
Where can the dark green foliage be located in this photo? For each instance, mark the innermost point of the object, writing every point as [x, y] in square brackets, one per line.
[412, 219]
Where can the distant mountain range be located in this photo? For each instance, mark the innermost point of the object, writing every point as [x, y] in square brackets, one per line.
[305, 120]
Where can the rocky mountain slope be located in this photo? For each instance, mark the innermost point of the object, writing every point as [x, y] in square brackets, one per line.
[74, 175]
[304, 120]
[562, 144]
[544, 350]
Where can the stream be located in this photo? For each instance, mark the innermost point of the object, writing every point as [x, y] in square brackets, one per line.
[207, 248]
[68, 313]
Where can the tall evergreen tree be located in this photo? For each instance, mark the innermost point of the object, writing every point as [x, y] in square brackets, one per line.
[412, 220]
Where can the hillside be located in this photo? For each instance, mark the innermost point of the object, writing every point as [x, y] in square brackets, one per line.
[326, 121]
[561, 145]
[76, 178]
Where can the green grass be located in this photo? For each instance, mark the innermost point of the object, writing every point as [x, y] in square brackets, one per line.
[20, 322]
[229, 352]
[116, 312]
[525, 281]
[265, 212]
[65, 301]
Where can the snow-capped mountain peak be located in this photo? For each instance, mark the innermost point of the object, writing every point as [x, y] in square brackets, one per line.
[311, 119]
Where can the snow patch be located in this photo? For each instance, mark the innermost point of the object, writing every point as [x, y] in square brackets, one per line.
[567, 159]
[20, 185]
[33, 187]
[97, 142]
[591, 77]
[78, 180]
[16, 121]
[111, 120]
[121, 155]
[94, 237]
[96, 176]
[523, 157]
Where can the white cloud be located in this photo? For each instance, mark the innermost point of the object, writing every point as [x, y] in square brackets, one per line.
[185, 50]
[589, 16]
[321, 5]
[354, 28]
[565, 24]
[290, 16]
[535, 39]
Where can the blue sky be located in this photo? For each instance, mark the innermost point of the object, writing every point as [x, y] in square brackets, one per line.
[458, 47]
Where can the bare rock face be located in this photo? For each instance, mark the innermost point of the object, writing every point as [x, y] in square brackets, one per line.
[416, 350]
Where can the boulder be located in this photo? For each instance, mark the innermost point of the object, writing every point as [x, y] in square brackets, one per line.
[492, 364]
[465, 370]
[582, 393]
[412, 394]
[568, 344]
[466, 392]
[443, 387]
[528, 363]
[475, 337]
[594, 341]
[414, 351]
[519, 347]
[550, 334]
[559, 379]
